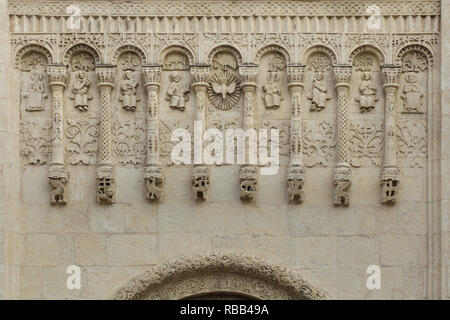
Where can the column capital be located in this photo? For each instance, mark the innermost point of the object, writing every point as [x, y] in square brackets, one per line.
[296, 75]
[248, 73]
[105, 74]
[200, 73]
[57, 74]
[152, 75]
[343, 75]
[391, 75]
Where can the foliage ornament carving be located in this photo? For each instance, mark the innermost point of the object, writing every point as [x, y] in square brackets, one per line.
[319, 141]
[36, 141]
[82, 141]
[129, 141]
[277, 282]
[366, 142]
[412, 140]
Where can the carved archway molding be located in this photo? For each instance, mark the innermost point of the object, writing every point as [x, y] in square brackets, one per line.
[418, 48]
[367, 48]
[128, 48]
[319, 48]
[273, 48]
[218, 273]
[228, 49]
[32, 48]
[81, 47]
[176, 49]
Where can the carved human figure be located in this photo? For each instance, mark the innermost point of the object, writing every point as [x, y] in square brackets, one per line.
[34, 92]
[412, 95]
[319, 96]
[272, 92]
[80, 90]
[128, 89]
[176, 92]
[368, 90]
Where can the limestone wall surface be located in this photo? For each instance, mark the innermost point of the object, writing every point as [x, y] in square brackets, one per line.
[92, 95]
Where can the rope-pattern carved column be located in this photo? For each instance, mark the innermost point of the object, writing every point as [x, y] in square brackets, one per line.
[249, 172]
[105, 176]
[153, 175]
[57, 174]
[390, 177]
[296, 171]
[200, 174]
[343, 172]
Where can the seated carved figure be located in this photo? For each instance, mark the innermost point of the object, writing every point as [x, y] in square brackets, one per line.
[319, 98]
[176, 92]
[368, 90]
[80, 90]
[128, 88]
[34, 92]
[272, 92]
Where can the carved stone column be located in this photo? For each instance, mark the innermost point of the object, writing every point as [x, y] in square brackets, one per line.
[296, 171]
[390, 177]
[106, 185]
[200, 173]
[153, 174]
[57, 175]
[248, 177]
[343, 172]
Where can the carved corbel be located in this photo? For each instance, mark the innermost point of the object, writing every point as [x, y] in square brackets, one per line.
[200, 172]
[106, 186]
[390, 177]
[296, 171]
[57, 175]
[153, 177]
[249, 172]
[343, 172]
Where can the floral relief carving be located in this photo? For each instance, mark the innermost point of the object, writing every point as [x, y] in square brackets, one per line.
[365, 142]
[283, 127]
[36, 141]
[412, 140]
[319, 142]
[129, 141]
[82, 141]
[165, 133]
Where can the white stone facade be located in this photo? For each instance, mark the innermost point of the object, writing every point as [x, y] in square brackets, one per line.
[93, 90]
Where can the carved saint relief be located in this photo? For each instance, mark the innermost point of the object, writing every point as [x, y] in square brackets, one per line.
[224, 91]
[82, 63]
[177, 92]
[272, 91]
[128, 87]
[412, 94]
[412, 91]
[34, 93]
[319, 96]
[366, 65]
[80, 90]
[367, 90]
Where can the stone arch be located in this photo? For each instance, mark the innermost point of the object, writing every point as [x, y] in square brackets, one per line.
[226, 48]
[32, 48]
[176, 49]
[81, 47]
[216, 274]
[366, 48]
[273, 48]
[320, 49]
[418, 48]
[128, 48]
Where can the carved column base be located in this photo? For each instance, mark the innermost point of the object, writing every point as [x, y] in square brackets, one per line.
[154, 182]
[342, 181]
[390, 181]
[200, 182]
[295, 181]
[248, 180]
[106, 184]
[57, 177]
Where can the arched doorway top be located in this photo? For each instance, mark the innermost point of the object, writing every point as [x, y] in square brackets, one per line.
[216, 274]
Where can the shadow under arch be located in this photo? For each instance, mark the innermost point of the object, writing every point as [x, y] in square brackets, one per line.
[218, 276]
